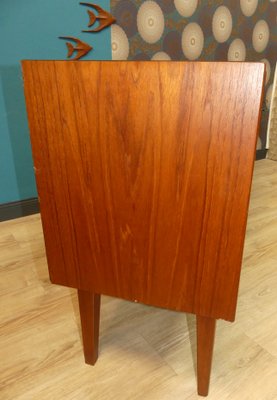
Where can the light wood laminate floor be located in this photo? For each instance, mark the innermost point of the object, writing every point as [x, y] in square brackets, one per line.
[146, 353]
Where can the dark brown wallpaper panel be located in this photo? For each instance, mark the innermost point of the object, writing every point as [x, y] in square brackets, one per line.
[234, 30]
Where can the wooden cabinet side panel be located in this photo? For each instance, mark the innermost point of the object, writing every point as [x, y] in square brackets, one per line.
[144, 172]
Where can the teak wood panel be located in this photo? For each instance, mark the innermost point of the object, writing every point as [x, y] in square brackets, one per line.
[144, 172]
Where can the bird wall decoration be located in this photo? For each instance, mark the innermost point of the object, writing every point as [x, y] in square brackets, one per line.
[82, 48]
[104, 18]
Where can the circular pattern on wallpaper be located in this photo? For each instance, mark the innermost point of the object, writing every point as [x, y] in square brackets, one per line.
[186, 7]
[150, 21]
[222, 24]
[192, 41]
[268, 69]
[248, 7]
[120, 43]
[237, 51]
[160, 55]
[260, 36]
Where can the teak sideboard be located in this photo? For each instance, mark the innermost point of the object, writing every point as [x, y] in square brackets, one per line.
[143, 172]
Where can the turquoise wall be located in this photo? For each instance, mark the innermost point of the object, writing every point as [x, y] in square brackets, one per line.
[29, 30]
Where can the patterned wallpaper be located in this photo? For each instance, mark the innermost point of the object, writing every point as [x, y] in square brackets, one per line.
[272, 152]
[234, 30]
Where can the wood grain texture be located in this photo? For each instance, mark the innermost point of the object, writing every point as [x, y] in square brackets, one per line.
[144, 172]
[205, 343]
[89, 307]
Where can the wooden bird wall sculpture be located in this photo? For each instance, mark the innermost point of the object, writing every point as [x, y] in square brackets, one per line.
[81, 47]
[104, 18]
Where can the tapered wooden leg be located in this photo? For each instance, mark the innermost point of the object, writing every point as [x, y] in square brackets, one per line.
[205, 344]
[89, 305]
